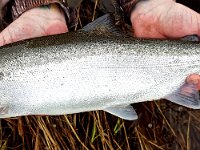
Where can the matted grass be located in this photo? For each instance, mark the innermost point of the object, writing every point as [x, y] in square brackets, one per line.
[161, 124]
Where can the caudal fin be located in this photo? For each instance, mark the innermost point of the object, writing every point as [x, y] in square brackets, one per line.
[187, 95]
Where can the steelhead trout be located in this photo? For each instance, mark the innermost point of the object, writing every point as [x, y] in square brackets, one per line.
[83, 71]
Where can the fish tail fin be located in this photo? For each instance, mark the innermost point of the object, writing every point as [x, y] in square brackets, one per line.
[105, 25]
[187, 95]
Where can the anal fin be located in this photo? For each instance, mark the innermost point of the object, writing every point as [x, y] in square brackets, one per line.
[187, 95]
[124, 112]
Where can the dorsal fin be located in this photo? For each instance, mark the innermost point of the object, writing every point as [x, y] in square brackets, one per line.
[104, 25]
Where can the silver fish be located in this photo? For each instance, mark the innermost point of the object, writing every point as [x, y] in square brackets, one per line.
[79, 72]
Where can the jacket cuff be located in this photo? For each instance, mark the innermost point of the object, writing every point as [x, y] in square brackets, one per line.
[128, 6]
[21, 6]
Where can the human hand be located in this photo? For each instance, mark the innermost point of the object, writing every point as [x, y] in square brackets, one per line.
[164, 19]
[150, 19]
[42, 21]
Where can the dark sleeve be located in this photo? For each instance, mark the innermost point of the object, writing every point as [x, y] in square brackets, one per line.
[128, 6]
[21, 6]
[3, 10]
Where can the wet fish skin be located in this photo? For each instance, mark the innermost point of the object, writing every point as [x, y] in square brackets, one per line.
[79, 72]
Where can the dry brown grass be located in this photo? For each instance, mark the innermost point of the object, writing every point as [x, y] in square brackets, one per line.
[161, 125]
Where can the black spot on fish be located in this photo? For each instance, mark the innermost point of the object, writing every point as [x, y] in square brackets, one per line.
[1, 75]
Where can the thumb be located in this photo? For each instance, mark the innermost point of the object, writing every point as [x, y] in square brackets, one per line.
[164, 19]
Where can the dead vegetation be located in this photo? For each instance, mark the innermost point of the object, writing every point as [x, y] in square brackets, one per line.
[161, 124]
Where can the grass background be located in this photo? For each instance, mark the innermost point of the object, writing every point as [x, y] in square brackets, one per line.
[161, 125]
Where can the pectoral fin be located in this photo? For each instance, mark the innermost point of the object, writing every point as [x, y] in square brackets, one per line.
[187, 95]
[124, 112]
